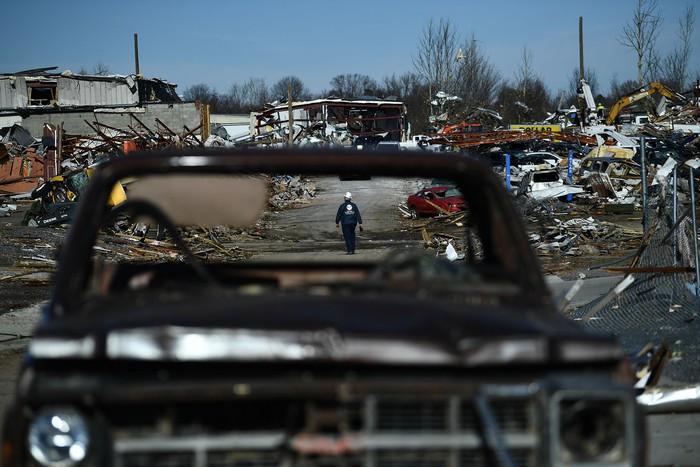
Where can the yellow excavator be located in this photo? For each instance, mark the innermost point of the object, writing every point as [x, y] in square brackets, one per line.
[639, 94]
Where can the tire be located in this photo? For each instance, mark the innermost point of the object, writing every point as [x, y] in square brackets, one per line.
[414, 213]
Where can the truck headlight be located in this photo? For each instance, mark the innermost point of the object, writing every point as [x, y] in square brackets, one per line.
[58, 436]
[590, 430]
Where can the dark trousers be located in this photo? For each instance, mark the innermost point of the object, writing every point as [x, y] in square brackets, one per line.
[349, 236]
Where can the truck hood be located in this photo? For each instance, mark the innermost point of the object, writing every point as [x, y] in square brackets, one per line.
[380, 330]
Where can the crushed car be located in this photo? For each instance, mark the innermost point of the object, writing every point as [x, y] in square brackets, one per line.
[394, 358]
[546, 184]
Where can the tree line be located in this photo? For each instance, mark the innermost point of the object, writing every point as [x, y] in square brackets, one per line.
[453, 79]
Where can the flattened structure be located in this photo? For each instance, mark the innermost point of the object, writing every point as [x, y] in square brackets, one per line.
[358, 118]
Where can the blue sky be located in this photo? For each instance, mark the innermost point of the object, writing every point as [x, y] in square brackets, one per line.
[224, 42]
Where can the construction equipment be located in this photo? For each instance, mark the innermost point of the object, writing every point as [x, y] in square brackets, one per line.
[639, 94]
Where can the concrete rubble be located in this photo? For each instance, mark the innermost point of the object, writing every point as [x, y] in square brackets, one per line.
[290, 190]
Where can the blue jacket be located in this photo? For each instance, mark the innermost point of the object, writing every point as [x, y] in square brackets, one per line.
[348, 213]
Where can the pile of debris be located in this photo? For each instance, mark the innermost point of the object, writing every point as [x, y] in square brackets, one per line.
[665, 125]
[21, 160]
[138, 242]
[579, 236]
[289, 191]
[79, 151]
[54, 169]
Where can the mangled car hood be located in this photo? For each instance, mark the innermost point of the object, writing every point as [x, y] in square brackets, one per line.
[394, 331]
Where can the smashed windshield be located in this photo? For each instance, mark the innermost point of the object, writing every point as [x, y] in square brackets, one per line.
[362, 226]
[452, 193]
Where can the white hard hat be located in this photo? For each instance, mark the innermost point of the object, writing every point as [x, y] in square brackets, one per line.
[348, 195]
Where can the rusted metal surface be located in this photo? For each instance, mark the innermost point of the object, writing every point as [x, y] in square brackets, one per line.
[21, 172]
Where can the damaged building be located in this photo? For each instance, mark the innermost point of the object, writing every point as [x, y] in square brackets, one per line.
[332, 121]
[34, 98]
[45, 120]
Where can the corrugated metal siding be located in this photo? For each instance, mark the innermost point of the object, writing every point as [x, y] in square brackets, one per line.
[78, 92]
[13, 92]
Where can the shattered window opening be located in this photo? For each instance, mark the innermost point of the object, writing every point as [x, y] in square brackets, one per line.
[542, 177]
[42, 93]
[123, 260]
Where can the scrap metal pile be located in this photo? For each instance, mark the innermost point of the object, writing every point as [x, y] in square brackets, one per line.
[141, 242]
[582, 236]
[55, 168]
[288, 190]
[81, 150]
[29, 160]
[21, 160]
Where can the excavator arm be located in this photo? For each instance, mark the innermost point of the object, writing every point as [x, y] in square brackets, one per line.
[639, 94]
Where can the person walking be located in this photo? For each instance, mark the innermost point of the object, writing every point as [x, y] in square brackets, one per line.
[349, 217]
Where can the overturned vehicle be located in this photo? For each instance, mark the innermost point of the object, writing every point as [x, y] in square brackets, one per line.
[391, 357]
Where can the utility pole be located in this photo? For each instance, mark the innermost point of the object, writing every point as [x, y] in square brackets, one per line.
[580, 47]
[290, 111]
[583, 114]
[136, 53]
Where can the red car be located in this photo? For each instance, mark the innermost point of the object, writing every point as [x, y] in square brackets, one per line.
[434, 200]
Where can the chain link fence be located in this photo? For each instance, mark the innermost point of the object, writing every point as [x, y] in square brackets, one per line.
[660, 306]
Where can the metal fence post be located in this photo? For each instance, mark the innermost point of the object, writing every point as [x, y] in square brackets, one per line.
[642, 153]
[695, 233]
[675, 212]
[508, 173]
[570, 172]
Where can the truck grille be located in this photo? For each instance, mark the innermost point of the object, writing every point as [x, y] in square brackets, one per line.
[377, 431]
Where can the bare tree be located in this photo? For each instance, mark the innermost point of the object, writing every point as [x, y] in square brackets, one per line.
[435, 61]
[640, 35]
[676, 63]
[203, 93]
[524, 75]
[251, 95]
[280, 88]
[401, 86]
[100, 69]
[532, 99]
[199, 92]
[477, 79]
[695, 81]
[351, 86]
[254, 93]
[410, 89]
[618, 90]
[516, 107]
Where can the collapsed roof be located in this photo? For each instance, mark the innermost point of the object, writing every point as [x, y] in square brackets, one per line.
[27, 91]
[334, 119]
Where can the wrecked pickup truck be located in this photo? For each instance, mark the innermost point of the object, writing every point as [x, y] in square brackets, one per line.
[391, 357]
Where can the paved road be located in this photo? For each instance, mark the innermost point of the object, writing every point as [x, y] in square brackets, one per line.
[309, 230]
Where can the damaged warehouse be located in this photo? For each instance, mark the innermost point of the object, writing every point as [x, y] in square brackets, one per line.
[37, 97]
[332, 121]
